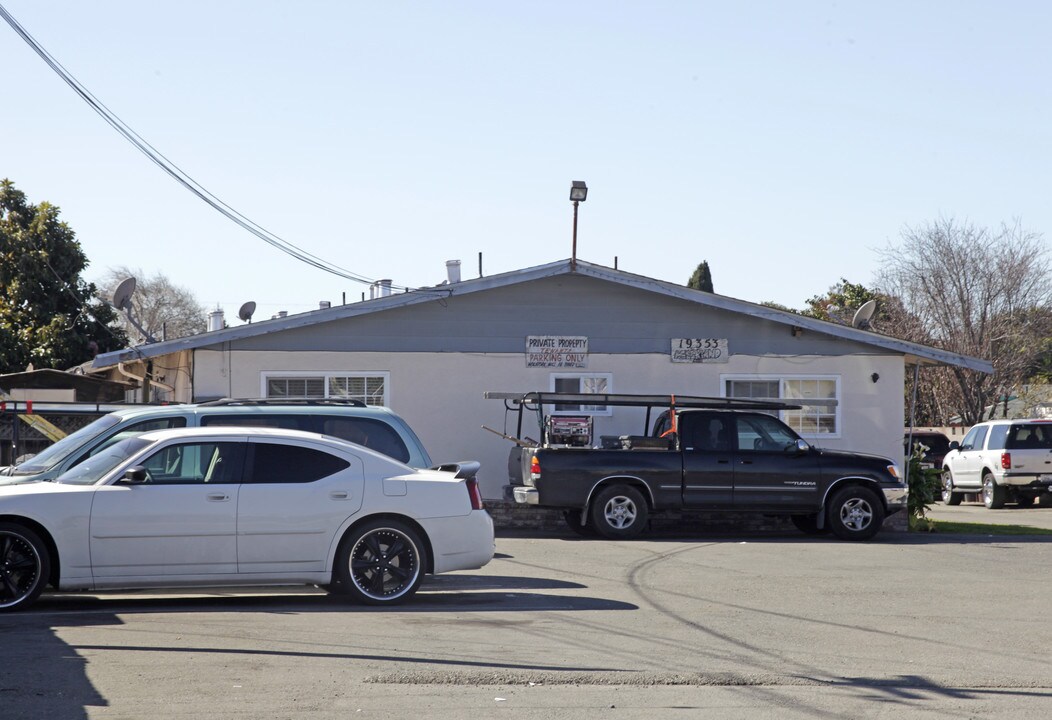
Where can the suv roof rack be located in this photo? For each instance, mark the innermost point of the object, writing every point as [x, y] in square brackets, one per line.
[263, 402]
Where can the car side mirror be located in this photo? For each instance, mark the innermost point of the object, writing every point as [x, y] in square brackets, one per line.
[800, 446]
[135, 475]
[954, 445]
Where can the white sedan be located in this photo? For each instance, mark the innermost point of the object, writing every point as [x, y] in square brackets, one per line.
[223, 506]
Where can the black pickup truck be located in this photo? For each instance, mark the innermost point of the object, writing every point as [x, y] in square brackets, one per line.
[711, 454]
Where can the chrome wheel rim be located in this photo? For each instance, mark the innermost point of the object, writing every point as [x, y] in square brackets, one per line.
[19, 568]
[856, 514]
[988, 492]
[947, 488]
[620, 512]
[385, 564]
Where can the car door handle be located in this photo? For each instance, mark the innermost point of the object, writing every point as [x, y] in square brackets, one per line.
[339, 494]
[746, 462]
[218, 497]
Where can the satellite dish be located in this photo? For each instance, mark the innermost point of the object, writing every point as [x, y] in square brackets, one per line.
[864, 315]
[245, 313]
[123, 294]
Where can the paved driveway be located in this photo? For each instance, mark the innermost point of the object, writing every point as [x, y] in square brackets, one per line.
[734, 626]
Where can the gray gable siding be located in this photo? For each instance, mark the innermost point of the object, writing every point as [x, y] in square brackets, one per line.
[616, 319]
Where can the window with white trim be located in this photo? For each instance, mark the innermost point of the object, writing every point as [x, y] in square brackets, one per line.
[370, 387]
[818, 418]
[582, 384]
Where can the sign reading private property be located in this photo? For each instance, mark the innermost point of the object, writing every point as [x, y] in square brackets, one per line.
[556, 351]
[700, 350]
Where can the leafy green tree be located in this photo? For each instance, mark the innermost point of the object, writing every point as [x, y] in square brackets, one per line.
[49, 316]
[702, 278]
[840, 303]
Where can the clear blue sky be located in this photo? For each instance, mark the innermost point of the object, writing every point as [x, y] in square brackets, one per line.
[784, 142]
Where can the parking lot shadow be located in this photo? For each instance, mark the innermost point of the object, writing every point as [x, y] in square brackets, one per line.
[41, 675]
[452, 594]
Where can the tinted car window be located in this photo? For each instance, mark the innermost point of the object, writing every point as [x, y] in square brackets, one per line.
[998, 433]
[708, 433]
[277, 463]
[1030, 437]
[373, 434]
[285, 422]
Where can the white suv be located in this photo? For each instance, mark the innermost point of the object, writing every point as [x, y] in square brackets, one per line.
[1005, 460]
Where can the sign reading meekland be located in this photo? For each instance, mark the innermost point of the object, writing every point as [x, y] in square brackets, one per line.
[556, 351]
[700, 350]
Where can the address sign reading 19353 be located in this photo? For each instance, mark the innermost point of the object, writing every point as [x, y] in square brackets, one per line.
[700, 350]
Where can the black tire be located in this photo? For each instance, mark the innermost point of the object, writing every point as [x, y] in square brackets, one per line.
[1044, 499]
[808, 524]
[994, 495]
[855, 513]
[573, 521]
[619, 512]
[949, 497]
[25, 566]
[1024, 501]
[380, 563]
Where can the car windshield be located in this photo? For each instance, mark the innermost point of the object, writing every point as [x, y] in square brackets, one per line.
[54, 454]
[98, 466]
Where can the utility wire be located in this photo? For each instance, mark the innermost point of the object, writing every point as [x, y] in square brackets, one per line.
[176, 172]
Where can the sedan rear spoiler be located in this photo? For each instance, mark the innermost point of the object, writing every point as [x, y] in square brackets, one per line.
[464, 469]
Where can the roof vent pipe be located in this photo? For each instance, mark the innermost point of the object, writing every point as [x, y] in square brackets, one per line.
[324, 304]
[453, 271]
[283, 313]
[385, 287]
[216, 320]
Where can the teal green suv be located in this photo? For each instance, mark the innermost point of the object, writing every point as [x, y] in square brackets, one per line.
[376, 428]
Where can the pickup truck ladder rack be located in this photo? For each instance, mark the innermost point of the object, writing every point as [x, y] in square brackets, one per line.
[533, 401]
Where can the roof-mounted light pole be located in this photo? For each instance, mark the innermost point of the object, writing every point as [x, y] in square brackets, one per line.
[578, 194]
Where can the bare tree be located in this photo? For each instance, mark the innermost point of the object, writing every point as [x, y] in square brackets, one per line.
[973, 291]
[161, 307]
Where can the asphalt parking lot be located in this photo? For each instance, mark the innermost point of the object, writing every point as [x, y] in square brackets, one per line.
[732, 626]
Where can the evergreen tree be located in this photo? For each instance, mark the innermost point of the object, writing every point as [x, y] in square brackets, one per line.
[702, 278]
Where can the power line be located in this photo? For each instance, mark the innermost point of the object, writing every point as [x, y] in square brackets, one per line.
[176, 172]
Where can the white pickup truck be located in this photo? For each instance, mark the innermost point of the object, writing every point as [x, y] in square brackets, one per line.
[1004, 460]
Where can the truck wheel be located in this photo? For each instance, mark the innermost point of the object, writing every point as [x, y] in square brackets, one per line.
[1024, 501]
[855, 513]
[949, 497]
[573, 521]
[993, 494]
[619, 512]
[808, 524]
[1044, 499]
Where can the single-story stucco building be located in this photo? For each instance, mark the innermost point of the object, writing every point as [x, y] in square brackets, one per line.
[431, 353]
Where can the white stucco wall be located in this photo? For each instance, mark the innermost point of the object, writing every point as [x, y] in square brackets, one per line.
[440, 394]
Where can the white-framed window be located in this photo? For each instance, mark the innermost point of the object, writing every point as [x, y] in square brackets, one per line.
[582, 384]
[372, 388]
[818, 396]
